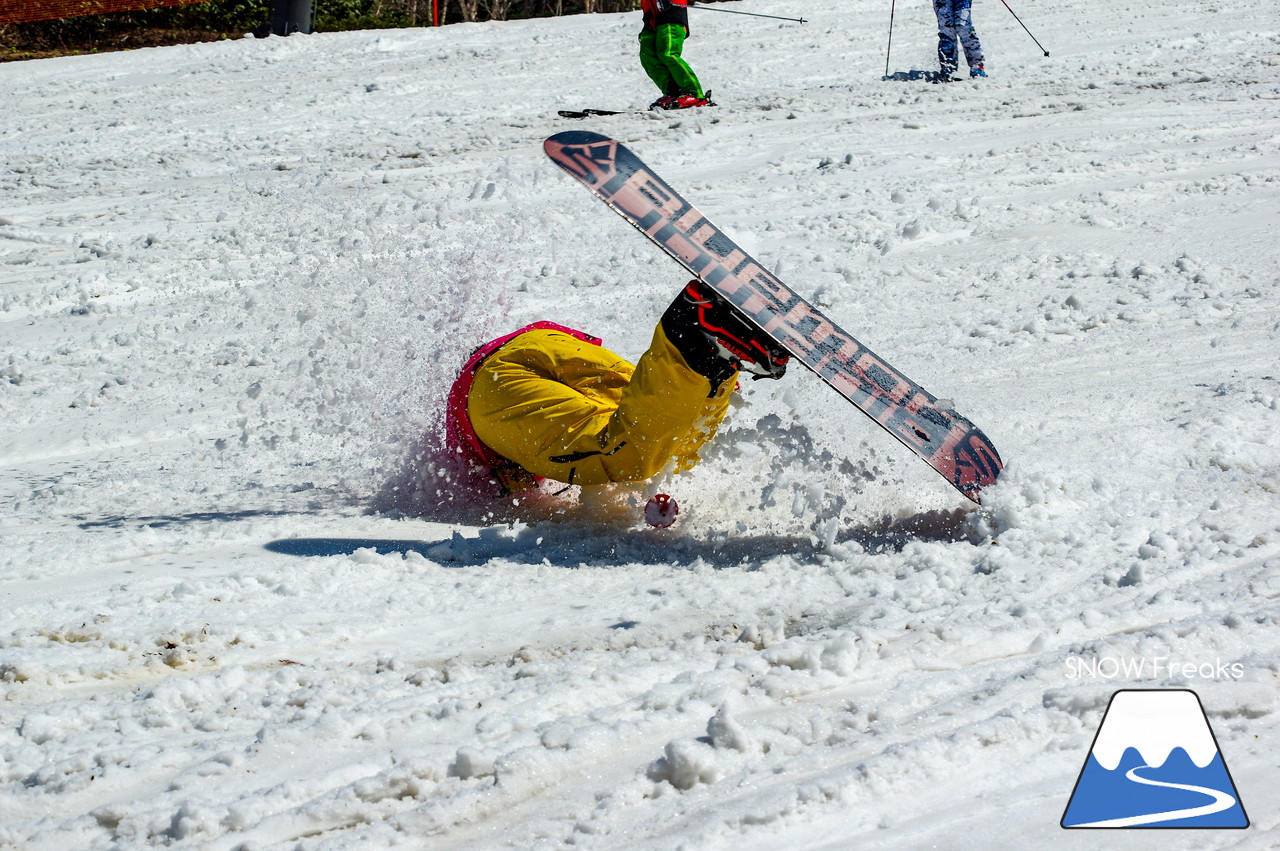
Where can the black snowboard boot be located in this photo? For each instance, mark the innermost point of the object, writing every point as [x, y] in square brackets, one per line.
[716, 340]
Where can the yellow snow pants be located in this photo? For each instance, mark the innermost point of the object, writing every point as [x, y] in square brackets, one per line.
[574, 412]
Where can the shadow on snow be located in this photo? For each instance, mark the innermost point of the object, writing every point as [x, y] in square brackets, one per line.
[572, 546]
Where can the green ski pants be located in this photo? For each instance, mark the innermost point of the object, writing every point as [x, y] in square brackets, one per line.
[660, 50]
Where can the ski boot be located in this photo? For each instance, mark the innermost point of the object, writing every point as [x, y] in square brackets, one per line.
[688, 101]
[946, 74]
[717, 341]
[664, 102]
[976, 71]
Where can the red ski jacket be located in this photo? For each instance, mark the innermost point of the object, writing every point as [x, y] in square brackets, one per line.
[665, 12]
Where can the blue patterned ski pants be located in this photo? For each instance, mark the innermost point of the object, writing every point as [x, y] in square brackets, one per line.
[956, 28]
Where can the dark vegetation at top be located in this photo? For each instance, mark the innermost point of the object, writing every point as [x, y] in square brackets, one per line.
[219, 19]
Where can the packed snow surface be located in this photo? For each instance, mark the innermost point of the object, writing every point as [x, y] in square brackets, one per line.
[243, 604]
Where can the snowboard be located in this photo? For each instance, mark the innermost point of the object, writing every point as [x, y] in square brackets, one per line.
[948, 442]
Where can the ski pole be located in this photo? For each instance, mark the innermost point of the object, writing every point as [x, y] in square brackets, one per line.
[1024, 26]
[752, 14]
[892, 5]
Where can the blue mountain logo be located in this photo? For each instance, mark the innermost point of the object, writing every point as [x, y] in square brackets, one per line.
[1155, 763]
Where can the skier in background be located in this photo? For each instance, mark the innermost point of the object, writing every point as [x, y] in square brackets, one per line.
[955, 28]
[666, 26]
[550, 402]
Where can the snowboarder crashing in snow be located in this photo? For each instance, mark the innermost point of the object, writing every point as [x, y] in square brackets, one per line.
[666, 26]
[955, 28]
[550, 402]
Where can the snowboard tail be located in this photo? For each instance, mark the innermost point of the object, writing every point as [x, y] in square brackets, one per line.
[948, 442]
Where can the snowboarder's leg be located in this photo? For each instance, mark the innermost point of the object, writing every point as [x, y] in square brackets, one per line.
[948, 48]
[653, 64]
[669, 45]
[577, 413]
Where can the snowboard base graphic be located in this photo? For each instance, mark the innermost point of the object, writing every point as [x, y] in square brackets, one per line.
[948, 442]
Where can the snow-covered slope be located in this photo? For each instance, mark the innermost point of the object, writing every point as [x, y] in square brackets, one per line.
[240, 608]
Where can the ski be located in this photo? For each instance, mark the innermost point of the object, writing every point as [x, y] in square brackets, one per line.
[926, 76]
[585, 113]
[948, 442]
